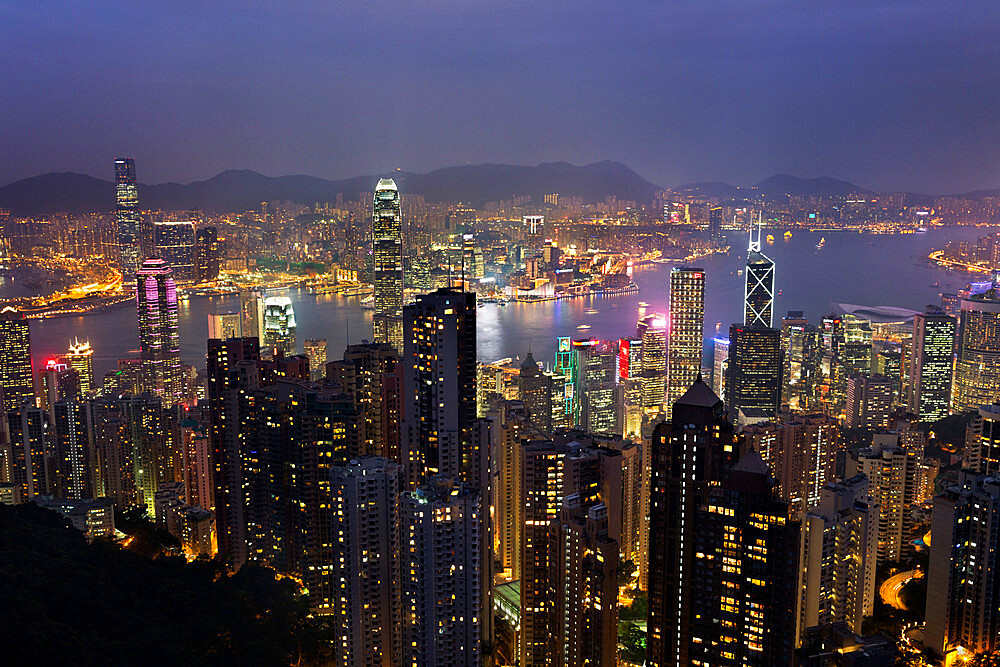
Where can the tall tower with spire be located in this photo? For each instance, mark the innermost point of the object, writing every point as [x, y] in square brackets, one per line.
[387, 251]
[758, 290]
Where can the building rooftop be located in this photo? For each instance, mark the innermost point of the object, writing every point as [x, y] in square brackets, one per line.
[699, 394]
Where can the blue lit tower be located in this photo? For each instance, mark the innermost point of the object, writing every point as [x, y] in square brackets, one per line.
[387, 252]
[127, 217]
[758, 288]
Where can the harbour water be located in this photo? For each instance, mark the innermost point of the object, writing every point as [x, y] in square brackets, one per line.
[863, 269]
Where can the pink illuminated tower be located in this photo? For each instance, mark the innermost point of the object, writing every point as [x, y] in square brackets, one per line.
[159, 342]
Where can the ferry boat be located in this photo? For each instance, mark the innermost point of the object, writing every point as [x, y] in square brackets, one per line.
[583, 326]
[822, 242]
[788, 234]
[770, 239]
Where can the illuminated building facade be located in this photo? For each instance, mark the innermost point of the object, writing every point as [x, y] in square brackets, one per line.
[127, 218]
[930, 365]
[159, 340]
[80, 358]
[977, 368]
[224, 326]
[685, 325]
[982, 441]
[279, 325]
[535, 391]
[387, 251]
[372, 373]
[652, 331]
[16, 374]
[207, 254]
[758, 288]
[596, 390]
[868, 402]
[755, 376]
[315, 349]
[252, 315]
[720, 366]
[174, 243]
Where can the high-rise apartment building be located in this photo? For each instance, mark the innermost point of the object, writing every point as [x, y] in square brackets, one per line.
[838, 558]
[315, 349]
[80, 358]
[758, 288]
[686, 321]
[930, 364]
[977, 368]
[75, 461]
[387, 251]
[279, 325]
[535, 391]
[372, 374]
[364, 608]
[17, 383]
[690, 455]
[982, 441]
[755, 377]
[127, 218]
[159, 340]
[868, 402]
[207, 254]
[174, 243]
[442, 606]
[29, 435]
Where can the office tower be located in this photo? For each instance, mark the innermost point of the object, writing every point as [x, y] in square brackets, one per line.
[159, 342]
[685, 324]
[962, 597]
[29, 435]
[982, 441]
[223, 326]
[889, 362]
[387, 251]
[59, 382]
[715, 223]
[977, 368]
[535, 391]
[754, 383]
[801, 454]
[596, 390]
[75, 460]
[442, 607]
[744, 574]
[534, 232]
[690, 454]
[802, 348]
[838, 558]
[315, 349]
[930, 364]
[174, 243]
[720, 365]
[16, 373]
[652, 331]
[893, 473]
[583, 571]
[279, 325]
[127, 218]
[758, 287]
[252, 314]
[80, 358]
[227, 361]
[869, 402]
[439, 388]
[365, 608]
[207, 254]
[371, 373]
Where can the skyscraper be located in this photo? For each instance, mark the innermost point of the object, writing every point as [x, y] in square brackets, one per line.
[371, 373]
[439, 385]
[279, 325]
[982, 441]
[252, 315]
[159, 341]
[80, 357]
[16, 374]
[535, 391]
[685, 324]
[224, 326]
[868, 402]
[315, 349]
[758, 288]
[127, 218]
[754, 382]
[977, 369]
[387, 251]
[930, 364]
[207, 254]
[174, 243]
[690, 455]
[652, 330]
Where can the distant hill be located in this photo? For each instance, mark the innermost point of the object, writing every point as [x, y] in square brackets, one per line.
[235, 190]
[777, 186]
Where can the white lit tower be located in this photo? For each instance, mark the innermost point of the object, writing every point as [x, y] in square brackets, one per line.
[758, 289]
[387, 252]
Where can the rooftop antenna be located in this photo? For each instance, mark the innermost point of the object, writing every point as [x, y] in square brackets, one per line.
[754, 246]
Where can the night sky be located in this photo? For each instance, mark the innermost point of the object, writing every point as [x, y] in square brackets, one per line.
[889, 94]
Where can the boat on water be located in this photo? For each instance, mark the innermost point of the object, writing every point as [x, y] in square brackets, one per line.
[770, 239]
[822, 242]
[590, 311]
[583, 326]
[643, 304]
[788, 234]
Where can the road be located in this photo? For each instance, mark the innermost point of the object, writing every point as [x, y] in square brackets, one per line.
[890, 588]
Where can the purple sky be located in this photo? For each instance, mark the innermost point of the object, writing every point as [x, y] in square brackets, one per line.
[890, 94]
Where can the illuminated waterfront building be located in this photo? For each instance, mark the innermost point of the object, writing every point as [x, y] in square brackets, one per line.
[720, 366]
[364, 609]
[977, 368]
[127, 218]
[387, 251]
[16, 373]
[252, 315]
[224, 326]
[279, 325]
[207, 254]
[159, 341]
[755, 377]
[315, 349]
[80, 358]
[758, 288]
[652, 374]
[443, 608]
[597, 392]
[174, 243]
[838, 558]
[690, 455]
[930, 365]
[685, 325]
